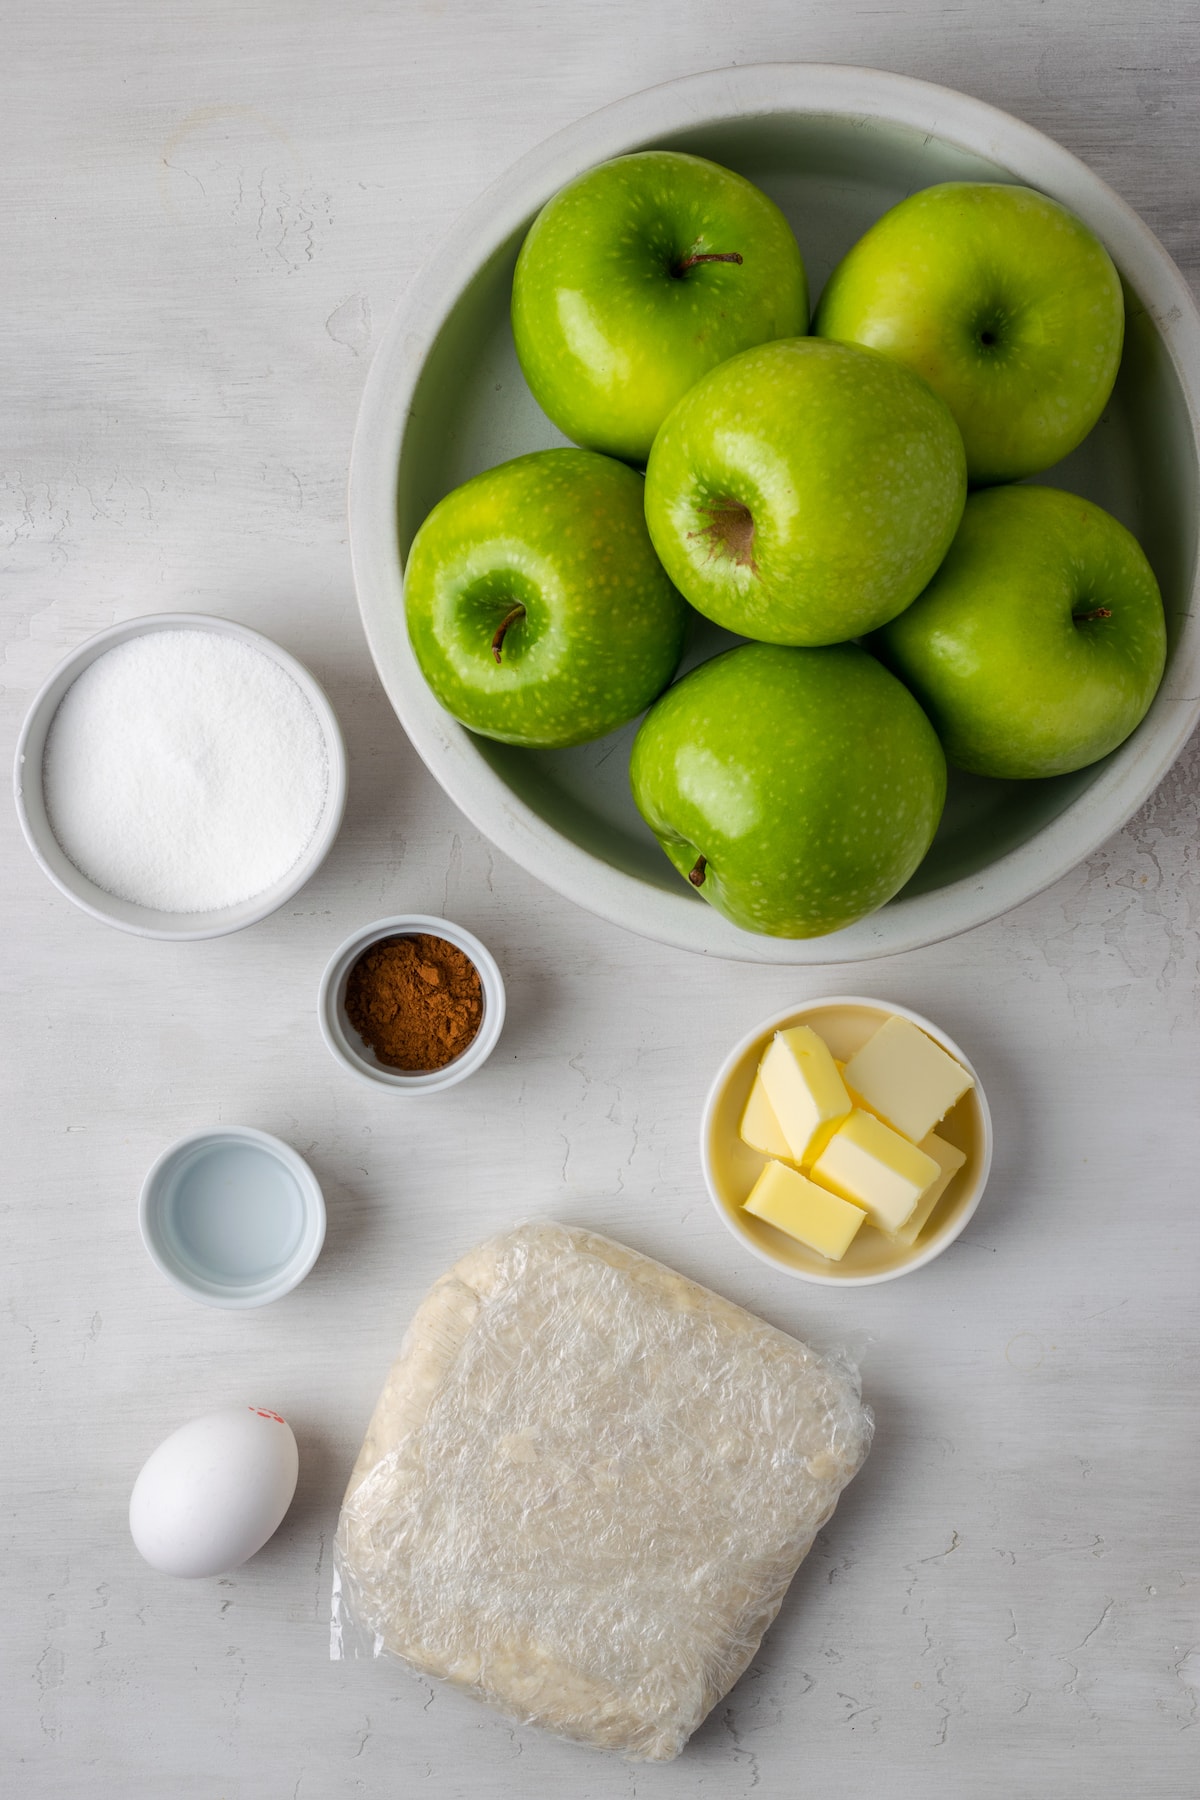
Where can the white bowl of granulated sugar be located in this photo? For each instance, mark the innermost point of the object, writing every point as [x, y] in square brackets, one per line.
[180, 776]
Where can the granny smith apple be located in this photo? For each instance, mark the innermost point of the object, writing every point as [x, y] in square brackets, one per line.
[1040, 642]
[536, 607]
[796, 789]
[1004, 301]
[805, 491]
[636, 279]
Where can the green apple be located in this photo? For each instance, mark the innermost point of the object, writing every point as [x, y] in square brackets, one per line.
[1005, 302]
[805, 492]
[636, 279]
[536, 607]
[797, 790]
[1040, 642]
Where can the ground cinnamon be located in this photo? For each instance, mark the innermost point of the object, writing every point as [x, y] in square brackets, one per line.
[416, 1001]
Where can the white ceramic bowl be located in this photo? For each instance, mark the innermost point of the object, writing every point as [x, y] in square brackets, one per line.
[835, 147]
[348, 1048]
[126, 915]
[732, 1167]
[232, 1216]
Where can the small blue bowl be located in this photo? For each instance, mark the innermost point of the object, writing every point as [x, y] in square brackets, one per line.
[232, 1217]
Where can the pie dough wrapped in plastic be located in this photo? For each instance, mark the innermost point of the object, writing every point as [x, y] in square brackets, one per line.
[585, 1488]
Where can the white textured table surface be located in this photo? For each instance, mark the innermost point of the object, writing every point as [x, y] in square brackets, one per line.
[209, 212]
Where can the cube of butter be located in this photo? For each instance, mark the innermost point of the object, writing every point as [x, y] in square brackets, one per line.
[901, 1074]
[806, 1093]
[868, 1163]
[950, 1160]
[760, 1128]
[808, 1213]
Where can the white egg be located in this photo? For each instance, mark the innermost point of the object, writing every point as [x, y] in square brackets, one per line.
[214, 1491]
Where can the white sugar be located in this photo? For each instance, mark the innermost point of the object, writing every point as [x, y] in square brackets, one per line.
[185, 771]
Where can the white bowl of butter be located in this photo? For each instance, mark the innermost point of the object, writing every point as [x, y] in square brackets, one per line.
[814, 1168]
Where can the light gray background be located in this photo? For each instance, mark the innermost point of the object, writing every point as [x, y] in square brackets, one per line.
[209, 211]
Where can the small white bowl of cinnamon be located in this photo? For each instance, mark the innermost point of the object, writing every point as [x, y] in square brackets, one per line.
[413, 1003]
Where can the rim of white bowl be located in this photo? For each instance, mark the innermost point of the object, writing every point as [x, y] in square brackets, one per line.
[715, 97]
[145, 921]
[289, 1275]
[794, 1015]
[344, 1043]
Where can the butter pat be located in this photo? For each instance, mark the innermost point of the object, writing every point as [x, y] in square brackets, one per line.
[868, 1163]
[804, 1089]
[950, 1160]
[760, 1128]
[906, 1078]
[806, 1212]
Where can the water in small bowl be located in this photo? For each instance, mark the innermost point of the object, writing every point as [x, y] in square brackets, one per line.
[232, 1217]
[233, 1213]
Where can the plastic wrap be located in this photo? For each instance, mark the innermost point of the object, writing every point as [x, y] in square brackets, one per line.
[585, 1488]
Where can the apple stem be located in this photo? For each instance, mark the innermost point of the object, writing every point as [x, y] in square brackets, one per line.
[510, 618]
[689, 262]
[1101, 612]
[696, 875]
